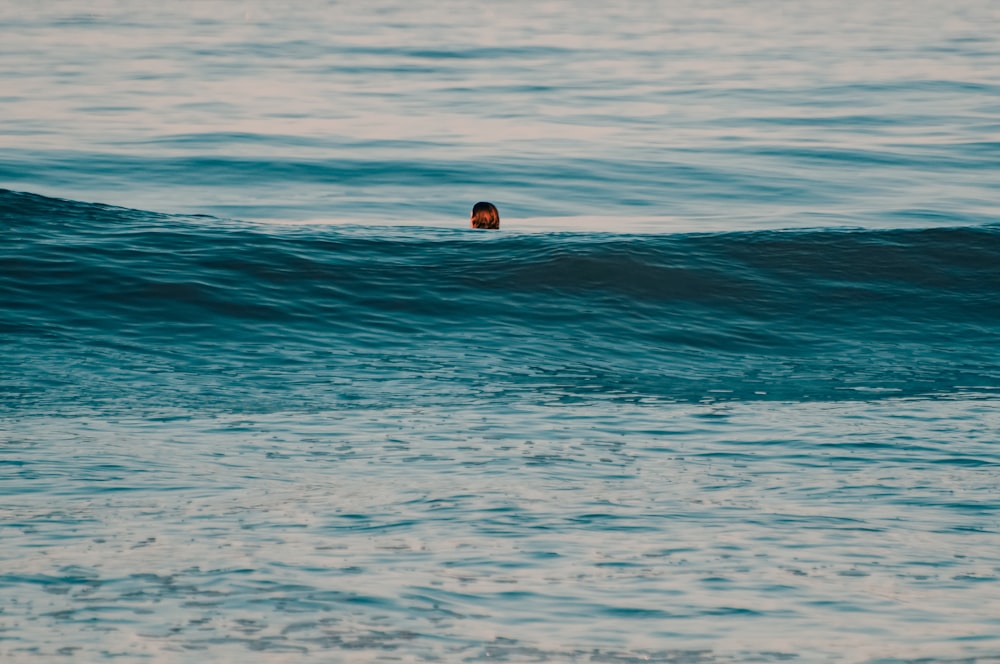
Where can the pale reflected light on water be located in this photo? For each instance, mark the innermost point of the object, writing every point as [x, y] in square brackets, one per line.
[451, 534]
[337, 111]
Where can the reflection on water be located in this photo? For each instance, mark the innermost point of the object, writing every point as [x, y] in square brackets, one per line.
[759, 114]
[673, 534]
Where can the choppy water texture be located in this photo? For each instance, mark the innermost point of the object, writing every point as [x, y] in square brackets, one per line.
[724, 388]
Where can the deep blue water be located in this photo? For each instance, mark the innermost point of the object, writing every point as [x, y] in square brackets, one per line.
[263, 317]
[724, 387]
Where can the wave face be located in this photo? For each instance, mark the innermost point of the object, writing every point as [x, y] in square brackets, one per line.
[107, 306]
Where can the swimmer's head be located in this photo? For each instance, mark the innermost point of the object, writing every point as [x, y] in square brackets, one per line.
[485, 215]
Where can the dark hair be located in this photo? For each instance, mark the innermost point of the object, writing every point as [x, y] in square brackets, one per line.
[485, 215]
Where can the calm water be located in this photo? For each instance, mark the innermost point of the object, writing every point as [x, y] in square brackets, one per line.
[725, 387]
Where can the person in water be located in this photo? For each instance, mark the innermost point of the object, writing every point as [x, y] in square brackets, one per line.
[485, 215]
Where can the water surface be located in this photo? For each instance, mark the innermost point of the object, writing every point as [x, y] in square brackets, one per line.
[723, 389]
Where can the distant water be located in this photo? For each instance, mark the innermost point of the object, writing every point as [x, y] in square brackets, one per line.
[654, 114]
[725, 387]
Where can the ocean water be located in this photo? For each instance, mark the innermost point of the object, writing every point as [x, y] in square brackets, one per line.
[724, 388]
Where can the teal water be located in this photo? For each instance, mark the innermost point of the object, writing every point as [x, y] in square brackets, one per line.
[724, 387]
